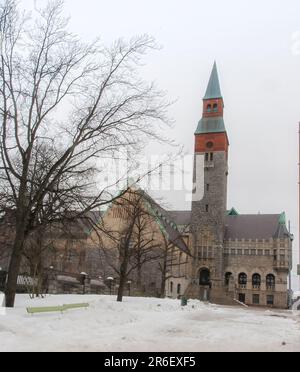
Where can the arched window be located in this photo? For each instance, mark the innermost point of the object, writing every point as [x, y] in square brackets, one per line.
[256, 281]
[208, 108]
[227, 278]
[179, 289]
[270, 280]
[243, 280]
[204, 277]
[215, 107]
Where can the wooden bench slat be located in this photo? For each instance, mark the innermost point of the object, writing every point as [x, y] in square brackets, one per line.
[75, 306]
[36, 310]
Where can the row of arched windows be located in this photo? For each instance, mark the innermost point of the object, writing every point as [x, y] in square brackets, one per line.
[256, 280]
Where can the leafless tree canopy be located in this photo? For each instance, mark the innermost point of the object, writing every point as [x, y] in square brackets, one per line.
[64, 106]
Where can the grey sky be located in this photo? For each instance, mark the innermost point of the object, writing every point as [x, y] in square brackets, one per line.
[258, 62]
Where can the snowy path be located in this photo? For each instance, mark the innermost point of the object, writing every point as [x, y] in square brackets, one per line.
[141, 324]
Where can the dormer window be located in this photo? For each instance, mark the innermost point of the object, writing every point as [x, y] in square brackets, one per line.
[215, 107]
[209, 108]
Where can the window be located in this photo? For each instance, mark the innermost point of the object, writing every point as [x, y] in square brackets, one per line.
[256, 281]
[247, 252]
[227, 278]
[233, 252]
[260, 252]
[207, 208]
[267, 252]
[215, 107]
[270, 280]
[253, 252]
[207, 187]
[211, 156]
[208, 108]
[171, 287]
[270, 300]
[207, 156]
[243, 280]
[240, 252]
[255, 299]
[179, 289]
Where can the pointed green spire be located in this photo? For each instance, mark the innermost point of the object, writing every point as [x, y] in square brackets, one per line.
[213, 90]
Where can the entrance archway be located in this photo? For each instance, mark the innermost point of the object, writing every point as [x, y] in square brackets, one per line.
[204, 277]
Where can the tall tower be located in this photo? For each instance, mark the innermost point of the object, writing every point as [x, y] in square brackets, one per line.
[208, 214]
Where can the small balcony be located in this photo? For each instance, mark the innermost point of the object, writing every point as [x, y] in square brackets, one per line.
[281, 265]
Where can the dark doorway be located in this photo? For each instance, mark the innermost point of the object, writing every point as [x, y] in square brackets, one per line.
[205, 277]
[242, 298]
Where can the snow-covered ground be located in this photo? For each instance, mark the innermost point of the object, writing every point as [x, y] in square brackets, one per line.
[143, 324]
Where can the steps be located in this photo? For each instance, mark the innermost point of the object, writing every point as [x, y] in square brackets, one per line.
[217, 296]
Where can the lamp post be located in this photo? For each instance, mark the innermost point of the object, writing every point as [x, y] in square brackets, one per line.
[83, 276]
[129, 287]
[110, 281]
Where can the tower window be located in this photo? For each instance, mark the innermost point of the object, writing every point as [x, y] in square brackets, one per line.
[211, 156]
[207, 208]
[208, 108]
[215, 107]
[207, 156]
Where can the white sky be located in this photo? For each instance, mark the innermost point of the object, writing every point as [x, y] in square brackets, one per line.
[258, 63]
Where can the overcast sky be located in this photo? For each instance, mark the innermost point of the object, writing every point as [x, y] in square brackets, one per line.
[257, 48]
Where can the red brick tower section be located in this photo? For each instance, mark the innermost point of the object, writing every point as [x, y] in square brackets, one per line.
[212, 141]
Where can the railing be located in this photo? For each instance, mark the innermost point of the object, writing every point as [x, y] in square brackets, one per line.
[271, 288]
[279, 264]
[242, 286]
[256, 287]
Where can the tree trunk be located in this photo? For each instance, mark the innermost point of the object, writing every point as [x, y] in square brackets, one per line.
[13, 271]
[139, 278]
[123, 276]
[164, 277]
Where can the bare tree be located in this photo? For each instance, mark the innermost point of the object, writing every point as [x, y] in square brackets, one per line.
[130, 246]
[64, 106]
[170, 258]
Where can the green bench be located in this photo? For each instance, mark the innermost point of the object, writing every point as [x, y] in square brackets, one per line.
[76, 306]
[50, 309]
[56, 309]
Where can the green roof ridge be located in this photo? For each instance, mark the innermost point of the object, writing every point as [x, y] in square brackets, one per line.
[233, 212]
[282, 219]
